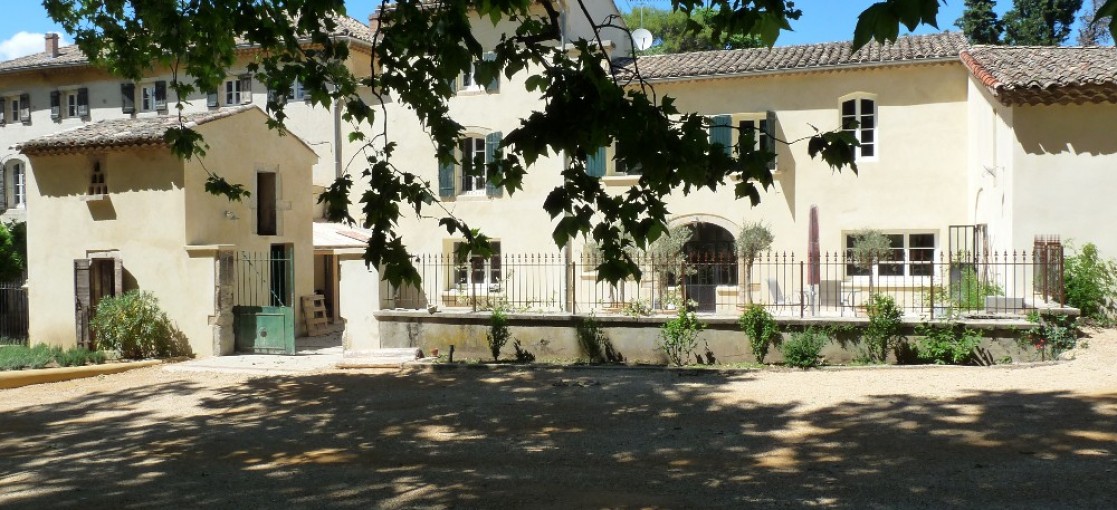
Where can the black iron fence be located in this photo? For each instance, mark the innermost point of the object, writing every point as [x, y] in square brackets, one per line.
[934, 286]
[13, 313]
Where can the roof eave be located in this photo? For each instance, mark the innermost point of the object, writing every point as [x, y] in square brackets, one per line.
[801, 70]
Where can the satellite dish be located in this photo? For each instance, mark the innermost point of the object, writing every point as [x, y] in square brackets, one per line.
[642, 39]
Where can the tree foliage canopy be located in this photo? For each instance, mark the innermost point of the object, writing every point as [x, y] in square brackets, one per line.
[980, 23]
[421, 46]
[1093, 31]
[1040, 22]
[675, 32]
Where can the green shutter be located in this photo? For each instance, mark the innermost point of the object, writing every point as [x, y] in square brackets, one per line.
[721, 132]
[493, 86]
[770, 137]
[595, 164]
[492, 142]
[445, 180]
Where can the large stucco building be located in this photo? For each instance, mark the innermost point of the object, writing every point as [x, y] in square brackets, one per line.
[962, 147]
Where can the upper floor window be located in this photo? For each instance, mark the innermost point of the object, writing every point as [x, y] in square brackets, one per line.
[15, 108]
[151, 97]
[298, 93]
[235, 91]
[69, 104]
[859, 118]
[605, 162]
[733, 131]
[19, 185]
[474, 153]
[468, 81]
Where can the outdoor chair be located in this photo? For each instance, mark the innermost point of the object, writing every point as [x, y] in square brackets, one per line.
[779, 300]
[833, 294]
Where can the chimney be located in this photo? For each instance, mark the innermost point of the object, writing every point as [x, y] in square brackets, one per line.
[374, 21]
[52, 45]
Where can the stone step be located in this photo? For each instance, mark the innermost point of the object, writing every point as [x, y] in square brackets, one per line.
[380, 358]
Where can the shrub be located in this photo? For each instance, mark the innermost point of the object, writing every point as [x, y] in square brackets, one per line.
[1091, 283]
[679, 337]
[498, 334]
[947, 344]
[636, 308]
[1052, 334]
[760, 328]
[969, 292]
[133, 325]
[753, 239]
[595, 345]
[522, 355]
[803, 348]
[884, 326]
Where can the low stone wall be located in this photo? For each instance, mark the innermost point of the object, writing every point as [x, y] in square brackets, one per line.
[552, 337]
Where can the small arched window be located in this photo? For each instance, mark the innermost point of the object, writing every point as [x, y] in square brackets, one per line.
[859, 118]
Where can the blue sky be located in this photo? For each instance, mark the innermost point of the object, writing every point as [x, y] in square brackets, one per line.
[25, 21]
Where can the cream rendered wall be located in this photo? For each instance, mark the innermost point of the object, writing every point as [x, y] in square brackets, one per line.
[143, 219]
[990, 165]
[239, 146]
[358, 297]
[1065, 166]
[917, 181]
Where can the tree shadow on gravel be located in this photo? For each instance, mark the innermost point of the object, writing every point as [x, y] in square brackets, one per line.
[540, 439]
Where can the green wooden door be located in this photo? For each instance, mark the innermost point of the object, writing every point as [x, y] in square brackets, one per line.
[264, 329]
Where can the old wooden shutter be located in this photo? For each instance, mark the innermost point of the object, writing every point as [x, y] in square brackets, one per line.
[3, 189]
[3, 111]
[117, 277]
[768, 140]
[55, 105]
[212, 100]
[493, 86]
[721, 132]
[245, 89]
[82, 300]
[128, 97]
[83, 102]
[445, 180]
[161, 96]
[595, 164]
[25, 108]
[492, 142]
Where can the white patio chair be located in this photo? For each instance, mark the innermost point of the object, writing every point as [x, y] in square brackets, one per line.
[779, 300]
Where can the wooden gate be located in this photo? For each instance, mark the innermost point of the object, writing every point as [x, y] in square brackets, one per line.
[263, 301]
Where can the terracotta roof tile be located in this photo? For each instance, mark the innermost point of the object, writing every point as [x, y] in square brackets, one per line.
[1019, 75]
[938, 47]
[125, 132]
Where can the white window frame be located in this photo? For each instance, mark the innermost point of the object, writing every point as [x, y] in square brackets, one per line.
[907, 263]
[298, 93]
[70, 104]
[463, 277]
[15, 107]
[147, 98]
[467, 81]
[233, 93]
[18, 178]
[860, 131]
[476, 183]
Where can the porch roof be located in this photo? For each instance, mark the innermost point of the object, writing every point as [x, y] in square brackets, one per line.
[329, 236]
[1033, 75]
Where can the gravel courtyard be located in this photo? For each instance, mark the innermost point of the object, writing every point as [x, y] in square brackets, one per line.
[1042, 436]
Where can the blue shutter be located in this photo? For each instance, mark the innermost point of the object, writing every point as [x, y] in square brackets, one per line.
[445, 180]
[595, 164]
[493, 86]
[721, 132]
[770, 137]
[492, 141]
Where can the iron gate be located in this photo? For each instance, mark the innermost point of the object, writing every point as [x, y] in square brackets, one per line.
[263, 301]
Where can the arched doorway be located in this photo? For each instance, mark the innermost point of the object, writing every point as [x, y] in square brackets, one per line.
[712, 257]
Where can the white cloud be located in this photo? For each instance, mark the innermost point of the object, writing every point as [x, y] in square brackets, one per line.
[24, 43]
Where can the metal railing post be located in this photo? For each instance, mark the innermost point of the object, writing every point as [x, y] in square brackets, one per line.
[802, 302]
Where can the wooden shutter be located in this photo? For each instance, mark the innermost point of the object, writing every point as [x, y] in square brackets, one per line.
[768, 125]
[445, 180]
[721, 132]
[25, 108]
[82, 300]
[3, 111]
[595, 163]
[245, 89]
[161, 96]
[117, 276]
[128, 97]
[493, 86]
[492, 142]
[3, 188]
[55, 105]
[83, 102]
[212, 100]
